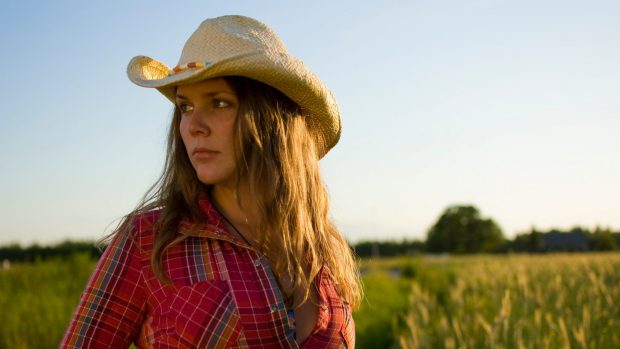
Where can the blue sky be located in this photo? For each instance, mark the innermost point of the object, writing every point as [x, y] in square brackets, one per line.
[512, 106]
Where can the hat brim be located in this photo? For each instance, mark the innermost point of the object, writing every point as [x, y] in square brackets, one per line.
[281, 71]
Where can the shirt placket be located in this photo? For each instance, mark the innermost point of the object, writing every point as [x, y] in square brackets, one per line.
[275, 299]
[269, 288]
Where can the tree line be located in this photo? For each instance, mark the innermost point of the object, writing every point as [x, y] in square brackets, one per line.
[35, 252]
[530, 242]
[460, 229]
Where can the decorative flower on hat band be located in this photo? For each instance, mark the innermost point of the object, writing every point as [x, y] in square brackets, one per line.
[181, 67]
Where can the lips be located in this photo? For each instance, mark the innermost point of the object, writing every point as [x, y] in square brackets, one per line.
[204, 153]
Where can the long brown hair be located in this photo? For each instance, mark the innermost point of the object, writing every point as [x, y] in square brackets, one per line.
[277, 155]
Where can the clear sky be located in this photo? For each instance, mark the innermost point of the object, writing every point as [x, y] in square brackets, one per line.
[512, 106]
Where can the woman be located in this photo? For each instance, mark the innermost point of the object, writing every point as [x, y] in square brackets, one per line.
[233, 246]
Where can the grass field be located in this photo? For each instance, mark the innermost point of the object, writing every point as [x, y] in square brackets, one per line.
[518, 301]
[559, 301]
[38, 299]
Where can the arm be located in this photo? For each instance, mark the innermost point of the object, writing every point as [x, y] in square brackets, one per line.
[112, 307]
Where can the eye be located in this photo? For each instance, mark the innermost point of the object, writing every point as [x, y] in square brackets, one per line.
[220, 103]
[184, 107]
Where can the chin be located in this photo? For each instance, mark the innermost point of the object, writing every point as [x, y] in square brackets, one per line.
[213, 179]
[214, 174]
[208, 180]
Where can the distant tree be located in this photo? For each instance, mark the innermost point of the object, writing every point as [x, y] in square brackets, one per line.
[616, 237]
[527, 242]
[602, 240]
[520, 243]
[461, 229]
[388, 248]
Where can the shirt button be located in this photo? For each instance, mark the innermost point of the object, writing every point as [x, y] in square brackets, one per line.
[257, 262]
[274, 308]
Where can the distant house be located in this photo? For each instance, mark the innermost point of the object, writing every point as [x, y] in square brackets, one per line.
[558, 241]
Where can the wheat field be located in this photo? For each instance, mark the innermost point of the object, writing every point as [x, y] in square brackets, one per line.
[548, 301]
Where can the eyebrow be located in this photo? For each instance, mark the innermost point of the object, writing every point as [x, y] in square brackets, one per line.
[208, 94]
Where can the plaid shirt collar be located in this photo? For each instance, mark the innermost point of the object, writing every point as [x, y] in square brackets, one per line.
[213, 228]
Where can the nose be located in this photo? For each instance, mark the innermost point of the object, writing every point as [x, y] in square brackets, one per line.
[198, 123]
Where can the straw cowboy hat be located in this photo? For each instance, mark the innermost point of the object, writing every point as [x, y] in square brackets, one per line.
[242, 46]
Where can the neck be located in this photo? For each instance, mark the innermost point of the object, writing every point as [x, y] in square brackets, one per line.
[234, 204]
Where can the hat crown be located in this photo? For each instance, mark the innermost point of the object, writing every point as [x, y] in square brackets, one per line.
[217, 39]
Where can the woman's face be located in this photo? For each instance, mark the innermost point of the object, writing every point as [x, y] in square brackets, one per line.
[208, 112]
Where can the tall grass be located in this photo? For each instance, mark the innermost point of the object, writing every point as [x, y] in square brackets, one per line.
[386, 297]
[553, 301]
[37, 300]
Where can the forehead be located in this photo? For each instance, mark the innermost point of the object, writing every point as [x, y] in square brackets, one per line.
[210, 86]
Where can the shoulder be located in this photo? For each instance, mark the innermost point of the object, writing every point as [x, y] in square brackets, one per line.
[145, 221]
[140, 228]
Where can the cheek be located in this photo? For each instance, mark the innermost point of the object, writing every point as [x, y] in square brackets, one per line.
[230, 134]
[184, 132]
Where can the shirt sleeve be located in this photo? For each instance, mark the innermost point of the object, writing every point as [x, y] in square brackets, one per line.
[112, 307]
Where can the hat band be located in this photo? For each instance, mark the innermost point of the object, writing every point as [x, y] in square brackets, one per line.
[182, 67]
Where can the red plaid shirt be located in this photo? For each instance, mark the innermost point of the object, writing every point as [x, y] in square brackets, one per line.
[224, 296]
